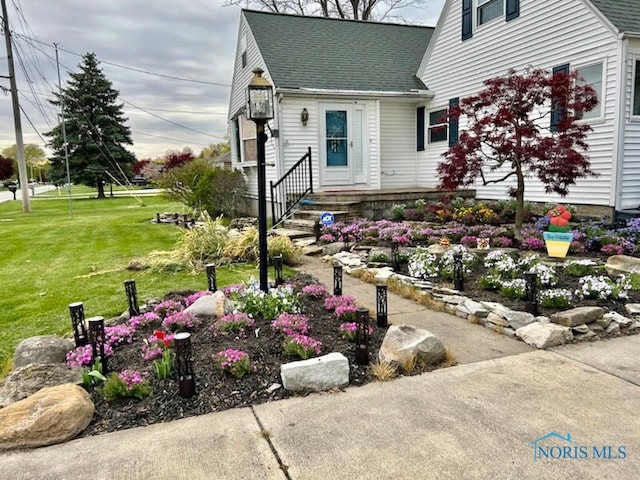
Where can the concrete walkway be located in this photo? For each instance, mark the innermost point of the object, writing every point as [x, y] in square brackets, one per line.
[478, 420]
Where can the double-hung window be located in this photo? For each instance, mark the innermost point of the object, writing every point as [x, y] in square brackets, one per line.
[489, 10]
[591, 75]
[438, 126]
[636, 89]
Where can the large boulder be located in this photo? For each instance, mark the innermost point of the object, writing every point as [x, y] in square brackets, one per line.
[544, 335]
[577, 316]
[208, 305]
[403, 343]
[42, 349]
[27, 380]
[316, 374]
[52, 415]
[619, 264]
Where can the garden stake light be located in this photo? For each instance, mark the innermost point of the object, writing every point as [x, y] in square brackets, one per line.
[362, 337]
[132, 297]
[76, 310]
[97, 339]
[317, 228]
[184, 364]
[345, 239]
[531, 293]
[158, 218]
[458, 276]
[395, 256]
[277, 265]
[211, 277]
[381, 305]
[337, 280]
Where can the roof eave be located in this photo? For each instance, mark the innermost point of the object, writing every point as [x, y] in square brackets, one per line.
[319, 92]
[629, 35]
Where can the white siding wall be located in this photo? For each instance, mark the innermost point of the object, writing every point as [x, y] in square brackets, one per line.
[545, 35]
[398, 159]
[630, 174]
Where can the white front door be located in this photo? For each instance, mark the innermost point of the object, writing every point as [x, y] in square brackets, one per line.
[341, 144]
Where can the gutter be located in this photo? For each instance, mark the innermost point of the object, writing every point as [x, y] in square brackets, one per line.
[318, 92]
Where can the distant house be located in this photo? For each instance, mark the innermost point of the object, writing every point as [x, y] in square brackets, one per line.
[376, 95]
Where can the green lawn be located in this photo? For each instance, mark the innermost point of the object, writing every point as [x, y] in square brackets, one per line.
[49, 260]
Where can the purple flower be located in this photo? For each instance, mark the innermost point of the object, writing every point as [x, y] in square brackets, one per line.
[291, 324]
[195, 296]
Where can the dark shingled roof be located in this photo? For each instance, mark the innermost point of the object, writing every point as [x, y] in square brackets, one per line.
[332, 54]
[624, 14]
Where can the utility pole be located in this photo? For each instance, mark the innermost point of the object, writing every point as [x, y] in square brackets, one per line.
[22, 165]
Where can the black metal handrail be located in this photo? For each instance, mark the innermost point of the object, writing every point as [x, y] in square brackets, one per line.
[287, 192]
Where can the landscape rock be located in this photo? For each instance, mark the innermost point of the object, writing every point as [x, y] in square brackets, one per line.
[632, 308]
[403, 343]
[620, 264]
[207, 305]
[497, 319]
[544, 335]
[616, 317]
[475, 308]
[52, 415]
[42, 349]
[613, 328]
[383, 274]
[634, 326]
[584, 328]
[348, 259]
[332, 248]
[316, 374]
[577, 316]
[27, 380]
[518, 319]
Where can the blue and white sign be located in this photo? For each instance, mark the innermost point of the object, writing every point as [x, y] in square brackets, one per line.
[327, 219]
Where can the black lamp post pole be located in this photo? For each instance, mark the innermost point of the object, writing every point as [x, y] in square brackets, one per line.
[262, 206]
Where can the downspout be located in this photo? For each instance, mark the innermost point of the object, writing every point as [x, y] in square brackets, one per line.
[619, 123]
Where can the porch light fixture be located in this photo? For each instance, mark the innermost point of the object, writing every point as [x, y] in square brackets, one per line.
[531, 293]
[458, 272]
[362, 336]
[211, 277]
[337, 280]
[260, 111]
[97, 339]
[132, 297]
[304, 117]
[184, 364]
[381, 305]
[76, 310]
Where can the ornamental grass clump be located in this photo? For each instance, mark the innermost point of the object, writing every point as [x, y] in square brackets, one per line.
[126, 384]
[555, 298]
[302, 346]
[234, 323]
[291, 324]
[234, 362]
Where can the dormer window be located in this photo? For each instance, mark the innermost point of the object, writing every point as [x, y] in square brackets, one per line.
[485, 11]
[489, 10]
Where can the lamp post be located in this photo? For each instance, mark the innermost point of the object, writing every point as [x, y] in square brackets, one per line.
[260, 111]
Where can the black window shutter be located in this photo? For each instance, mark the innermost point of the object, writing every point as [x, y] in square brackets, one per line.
[467, 19]
[558, 106]
[453, 123]
[420, 129]
[513, 9]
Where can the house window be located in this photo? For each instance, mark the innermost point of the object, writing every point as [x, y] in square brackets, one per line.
[591, 75]
[420, 129]
[243, 49]
[489, 10]
[438, 126]
[558, 101]
[248, 140]
[453, 122]
[636, 89]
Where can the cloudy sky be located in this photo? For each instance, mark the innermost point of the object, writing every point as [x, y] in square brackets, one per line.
[171, 61]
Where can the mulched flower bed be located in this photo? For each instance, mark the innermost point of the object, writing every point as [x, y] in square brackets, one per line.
[215, 389]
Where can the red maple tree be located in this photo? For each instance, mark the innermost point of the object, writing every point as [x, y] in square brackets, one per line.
[520, 126]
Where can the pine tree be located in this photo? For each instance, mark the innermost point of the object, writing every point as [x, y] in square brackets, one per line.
[95, 128]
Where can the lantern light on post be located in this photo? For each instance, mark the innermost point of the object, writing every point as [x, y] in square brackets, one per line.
[531, 292]
[337, 279]
[362, 336]
[458, 272]
[304, 117]
[132, 297]
[97, 339]
[260, 110]
[277, 265]
[381, 305]
[211, 277]
[76, 310]
[184, 364]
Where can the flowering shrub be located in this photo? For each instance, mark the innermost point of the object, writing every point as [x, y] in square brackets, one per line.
[334, 301]
[555, 298]
[266, 306]
[546, 274]
[446, 263]
[234, 322]
[235, 362]
[119, 334]
[81, 356]
[302, 346]
[423, 264]
[348, 330]
[602, 288]
[181, 320]
[126, 384]
[195, 296]
[315, 291]
[291, 323]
